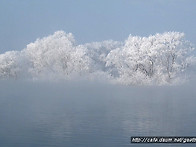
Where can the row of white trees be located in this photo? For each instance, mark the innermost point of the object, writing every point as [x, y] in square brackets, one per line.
[157, 59]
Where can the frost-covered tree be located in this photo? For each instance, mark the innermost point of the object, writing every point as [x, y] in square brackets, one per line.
[155, 59]
[9, 65]
[58, 55]
[98, 52]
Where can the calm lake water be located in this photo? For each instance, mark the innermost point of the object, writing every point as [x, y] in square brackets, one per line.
[84, 114]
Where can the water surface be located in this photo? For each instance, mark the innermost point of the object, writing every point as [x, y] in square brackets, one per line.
[87, 114]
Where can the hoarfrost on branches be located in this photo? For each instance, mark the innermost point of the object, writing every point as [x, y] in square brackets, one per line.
[157, 59]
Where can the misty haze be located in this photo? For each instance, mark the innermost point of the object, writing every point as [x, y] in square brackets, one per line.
[96, 73]
[57, 93]
[92, 113]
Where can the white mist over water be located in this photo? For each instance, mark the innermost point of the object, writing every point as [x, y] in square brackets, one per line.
[92, 114]
[155, 60]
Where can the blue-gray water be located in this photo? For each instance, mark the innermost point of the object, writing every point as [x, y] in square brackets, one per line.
[87, 114]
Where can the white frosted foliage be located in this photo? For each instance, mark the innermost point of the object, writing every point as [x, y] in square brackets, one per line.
[158, 59]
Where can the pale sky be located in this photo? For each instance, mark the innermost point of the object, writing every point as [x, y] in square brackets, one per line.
[23, 21]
